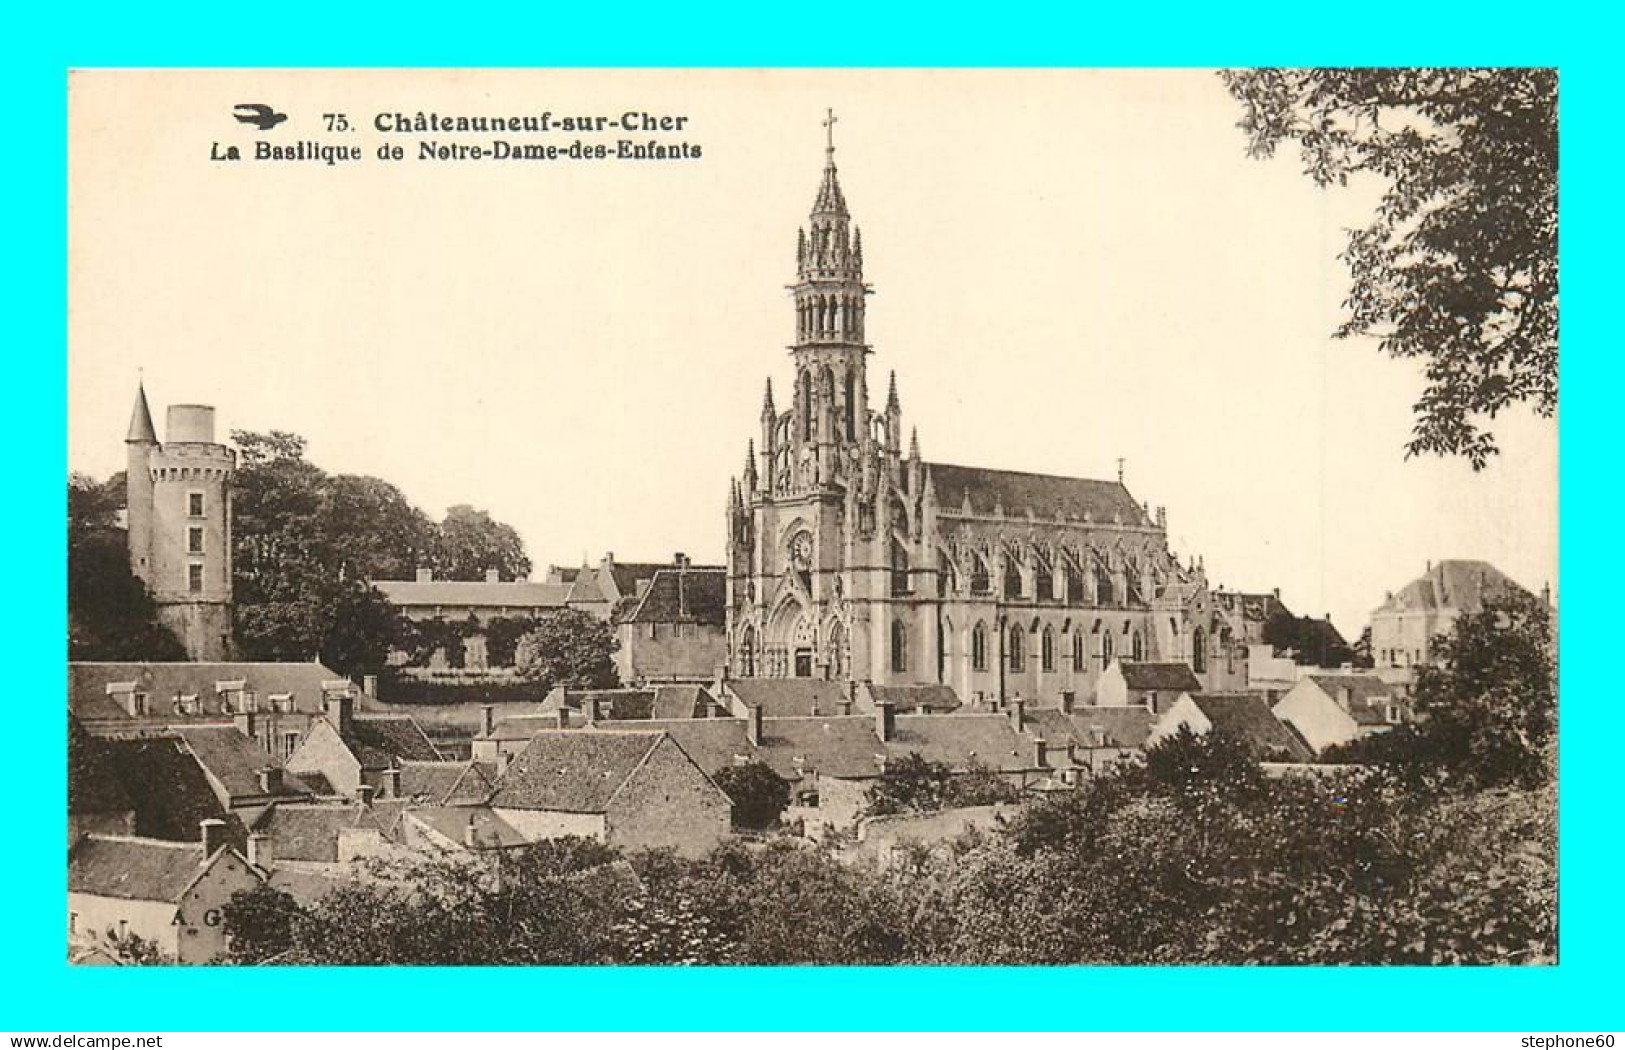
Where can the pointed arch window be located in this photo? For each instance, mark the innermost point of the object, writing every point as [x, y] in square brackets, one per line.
[899, 570]
[747, 654]
[851, 407]
[1018, 648]
[978, 647]
[1046, 650]
[1079, 652]
[1103, 586]
[899, 647]
[1106, 649]
[1012, 578]
[1199, 651]
[1074, 585]
[1137, 647]
[981, 581]
[1043, 580]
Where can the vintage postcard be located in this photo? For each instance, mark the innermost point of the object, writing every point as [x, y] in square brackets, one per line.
[812, 517]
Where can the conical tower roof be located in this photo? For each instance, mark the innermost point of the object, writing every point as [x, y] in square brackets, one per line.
[141, 428]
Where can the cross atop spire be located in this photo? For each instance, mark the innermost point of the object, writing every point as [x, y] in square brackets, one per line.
[831, 202]
[829, 134]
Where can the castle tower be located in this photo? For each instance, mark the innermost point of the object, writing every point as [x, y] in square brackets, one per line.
[179, 509]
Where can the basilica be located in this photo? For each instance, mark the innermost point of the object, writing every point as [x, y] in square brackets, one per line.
[851, 557]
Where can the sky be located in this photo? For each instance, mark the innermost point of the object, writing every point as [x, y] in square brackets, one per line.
[1070, 267]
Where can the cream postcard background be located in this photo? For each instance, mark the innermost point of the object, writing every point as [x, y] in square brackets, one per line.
[1070, 267]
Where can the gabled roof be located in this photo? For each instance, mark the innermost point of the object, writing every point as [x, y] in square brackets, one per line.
[310, 831]
[443, 783]
[615, 703]
[379, 741]
[452, 822]
[1360, 686]
[1456, 584]
[908, 697]
[683, 596]
[165, 785]
[1126, 727]
[233, 761]
[520, 727]
[789, 697]
[1048, 496]
[1169, 677]
[88, 682]
[573, 771]
[713, 743]
[133, 868]
[840, 746]
[1248, 718]
[961, 741]
[517, 594]
[680, 701]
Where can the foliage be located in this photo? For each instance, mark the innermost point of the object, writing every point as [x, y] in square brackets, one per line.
[470, 542]
[259, 924]
[914, 783]
[1312, 642]
[569, 648]
[1488, 702]
[1458, 267]
[759, 795]
[134, 950]
[111, 615]
[421, 639]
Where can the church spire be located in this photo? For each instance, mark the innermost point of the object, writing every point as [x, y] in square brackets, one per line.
[830, 199]
[141, 428]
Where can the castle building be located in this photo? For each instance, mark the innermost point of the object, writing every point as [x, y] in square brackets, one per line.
[178, 495]
[850, 556]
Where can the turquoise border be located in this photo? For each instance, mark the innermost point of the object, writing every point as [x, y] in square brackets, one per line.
[41, 993]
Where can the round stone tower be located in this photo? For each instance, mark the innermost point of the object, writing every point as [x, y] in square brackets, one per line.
[180, 512]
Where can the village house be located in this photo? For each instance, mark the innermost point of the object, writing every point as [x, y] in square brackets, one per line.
[345, 751]
[457, 829]
[1404, 626]
[1245, 717]
[241, 775]
[169, 893]
[675, 628]
[631, 789]
[1332, 709]
[319, 835]
[1153, 685]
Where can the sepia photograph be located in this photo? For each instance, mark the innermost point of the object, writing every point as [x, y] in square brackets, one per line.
[841, 517]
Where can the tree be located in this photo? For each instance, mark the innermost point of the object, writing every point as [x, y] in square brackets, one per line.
[1489, 700]
[1458, 267]
[111, 614]
[915, 783]
[259, 924]
[759, 795]
[570, 648]
[471, 542]
[303, 545]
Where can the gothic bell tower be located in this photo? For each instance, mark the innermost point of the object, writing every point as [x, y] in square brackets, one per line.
[830, 413]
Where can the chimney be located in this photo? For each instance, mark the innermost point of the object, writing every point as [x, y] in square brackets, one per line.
[597, 703]
[369, 686]
[425, 574]
[753, 724]
[392, 779]
[680, 560]
[245, 723]
[1018, 713]
[1345, 697]
[363, 794]
[471, 836]
[1069, 700]
[493, 576]
[886, 720]
[488, 719]
[1041, 753]
[260, 853]
[339, 706]
[563, 714]
[270, 780]
[212, 833]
